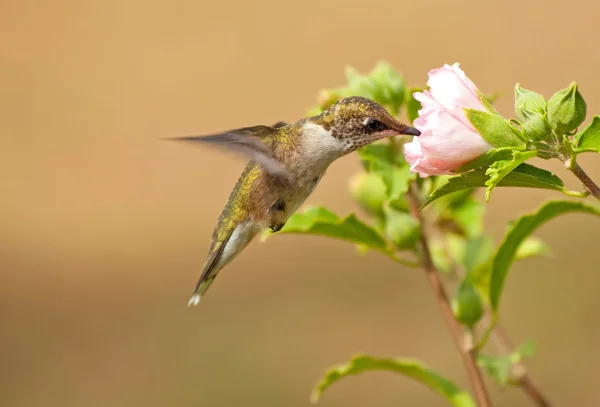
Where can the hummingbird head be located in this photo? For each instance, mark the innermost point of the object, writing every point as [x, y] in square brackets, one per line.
[356, 121]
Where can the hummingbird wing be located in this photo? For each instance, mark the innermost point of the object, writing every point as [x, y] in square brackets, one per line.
[250, 142]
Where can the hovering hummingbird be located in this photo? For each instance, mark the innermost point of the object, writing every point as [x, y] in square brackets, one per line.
[287, 161]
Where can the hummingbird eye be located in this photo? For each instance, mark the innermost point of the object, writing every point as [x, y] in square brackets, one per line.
[375, 125]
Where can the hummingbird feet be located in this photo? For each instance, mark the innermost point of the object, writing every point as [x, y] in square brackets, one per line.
[277, 227]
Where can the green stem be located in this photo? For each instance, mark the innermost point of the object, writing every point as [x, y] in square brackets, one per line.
[467, 354]
[572, 166]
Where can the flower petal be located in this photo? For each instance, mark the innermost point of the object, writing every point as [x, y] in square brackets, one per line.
[452, 89]
[448, 140]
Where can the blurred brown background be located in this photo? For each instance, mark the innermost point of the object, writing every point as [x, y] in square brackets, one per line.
[104, 227]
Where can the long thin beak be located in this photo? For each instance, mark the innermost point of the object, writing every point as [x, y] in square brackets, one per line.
[411, 131]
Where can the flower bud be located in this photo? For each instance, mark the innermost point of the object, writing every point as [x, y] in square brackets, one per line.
[566, 109]
[369, 190]
[535, 124]
[527, 100]
[403, 230]
[467, 306]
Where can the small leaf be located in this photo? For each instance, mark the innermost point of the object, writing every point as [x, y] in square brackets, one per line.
[527, 350]
[532, 247]
[320, 221]
[412, 105]
[525, 176]
[493, 128]
[498, 367]
[519, 231]
[588, 139]
[501, 169]
[407, 367]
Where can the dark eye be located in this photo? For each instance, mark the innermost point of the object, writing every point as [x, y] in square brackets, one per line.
[375, 125]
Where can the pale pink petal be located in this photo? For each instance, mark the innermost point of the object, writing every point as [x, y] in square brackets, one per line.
[449, 86]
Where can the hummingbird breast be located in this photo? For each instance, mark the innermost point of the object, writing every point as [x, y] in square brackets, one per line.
[274, 204]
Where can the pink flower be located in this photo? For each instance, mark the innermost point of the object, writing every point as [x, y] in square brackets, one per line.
[448, 140]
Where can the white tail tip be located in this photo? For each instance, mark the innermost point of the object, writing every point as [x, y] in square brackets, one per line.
[195, 300]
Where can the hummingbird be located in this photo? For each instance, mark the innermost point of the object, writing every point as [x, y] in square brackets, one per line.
[286, 163]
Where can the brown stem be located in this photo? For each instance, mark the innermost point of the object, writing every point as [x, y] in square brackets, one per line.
[504, 344]
[583, 177]
[441, 296]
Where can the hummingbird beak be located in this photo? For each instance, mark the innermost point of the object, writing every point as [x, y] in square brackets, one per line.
[410, 131]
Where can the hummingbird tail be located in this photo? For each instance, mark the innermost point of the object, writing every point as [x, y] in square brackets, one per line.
[201, 288]
[221, 254]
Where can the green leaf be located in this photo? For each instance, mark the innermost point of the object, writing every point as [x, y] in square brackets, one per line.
[487, 101]
[376, 154]
[478, 258]
[478, 251]
[518, 232]
[390, 85]
[384, 84]
[469, 216]
[412, 105]
[318, 220]
[532, 247]
[500, 368]
[501, 169]
[407, 367]
[487, 159]
[493, 128]
[588, 139]
[526, 350]
[460, 212]
[524, 176]
[378, 158]
[397, 180]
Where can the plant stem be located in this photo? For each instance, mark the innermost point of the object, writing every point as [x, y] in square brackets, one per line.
[583, 177]
[504, 344]
[467, 354]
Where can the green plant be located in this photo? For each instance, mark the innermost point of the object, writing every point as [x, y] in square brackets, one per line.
[436, 223]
